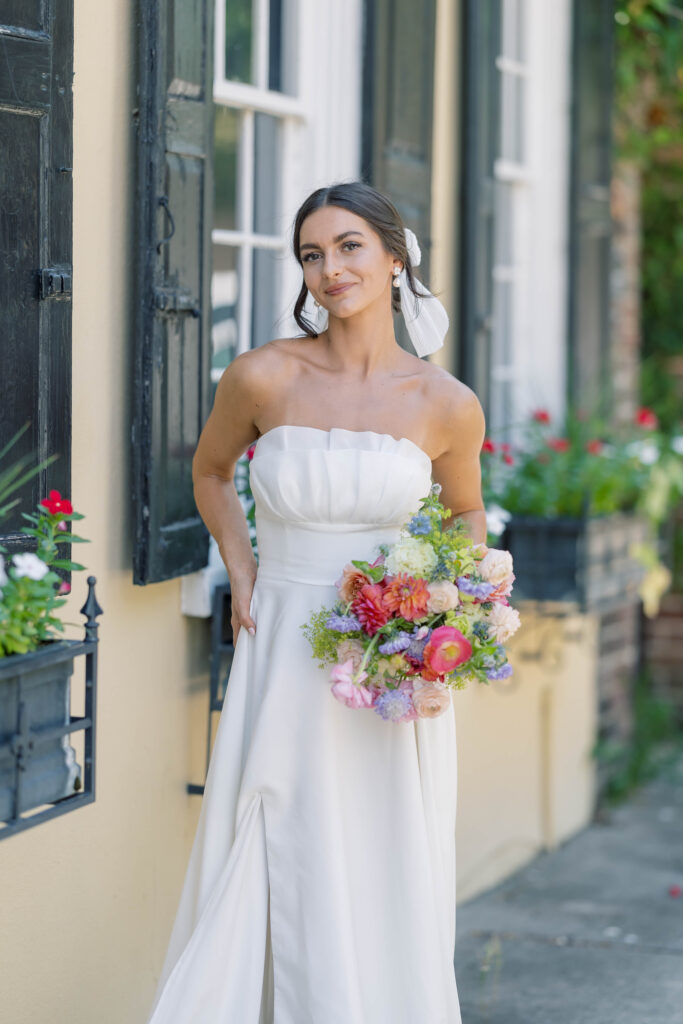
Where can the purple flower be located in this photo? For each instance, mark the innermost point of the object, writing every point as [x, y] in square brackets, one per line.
[417, 646]
[479, 590]
[399, 642]
[503, 672]
[419, 525]
[343, 623]
[393, 704]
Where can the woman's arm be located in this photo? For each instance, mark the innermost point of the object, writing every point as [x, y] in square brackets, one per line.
[227, 434]
[458, 468]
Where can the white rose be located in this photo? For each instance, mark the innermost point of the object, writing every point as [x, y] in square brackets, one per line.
[416, 557]
[502, 621]
[443, 595]
[30, 565]
[496, 566]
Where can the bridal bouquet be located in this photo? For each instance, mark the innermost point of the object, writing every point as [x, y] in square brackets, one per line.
[430, 614]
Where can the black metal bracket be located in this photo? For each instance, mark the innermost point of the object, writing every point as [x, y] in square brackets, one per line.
[54, 282]
[222, 650]
[27, 741]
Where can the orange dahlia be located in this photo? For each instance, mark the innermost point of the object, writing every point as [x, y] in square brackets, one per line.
[406, 596]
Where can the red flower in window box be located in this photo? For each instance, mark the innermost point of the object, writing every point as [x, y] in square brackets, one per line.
[559, 444]
[646, 418]
[55, 504]
[488, 446]
[250, 451]
[540, 416]
[594, 446]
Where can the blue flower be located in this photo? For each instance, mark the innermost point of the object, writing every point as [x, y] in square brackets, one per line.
[419, 525]
[481, 630]
[479, 590]
[393, 704]
[503, 672]
[399, 642]
[343, 623]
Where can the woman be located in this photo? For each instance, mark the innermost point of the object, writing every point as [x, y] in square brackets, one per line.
[321, 884]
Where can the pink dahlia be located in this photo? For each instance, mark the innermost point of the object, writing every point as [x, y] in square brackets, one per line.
[369, 608]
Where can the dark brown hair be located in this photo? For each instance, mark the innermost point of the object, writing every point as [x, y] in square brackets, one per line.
[381, 215]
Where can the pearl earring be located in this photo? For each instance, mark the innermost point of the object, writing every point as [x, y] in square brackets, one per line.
[316, 303]
[397, 271]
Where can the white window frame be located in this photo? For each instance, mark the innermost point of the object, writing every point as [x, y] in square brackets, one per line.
[251, 99]
[514, 179]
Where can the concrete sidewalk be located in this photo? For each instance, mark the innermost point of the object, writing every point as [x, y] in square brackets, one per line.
[587, 934]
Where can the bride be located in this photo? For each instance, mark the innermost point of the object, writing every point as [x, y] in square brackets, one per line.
[320, 887]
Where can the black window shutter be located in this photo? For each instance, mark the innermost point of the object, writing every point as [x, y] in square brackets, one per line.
[398, 104]
[36, 206]
[590, 226]
[172, 337]
[481, 29]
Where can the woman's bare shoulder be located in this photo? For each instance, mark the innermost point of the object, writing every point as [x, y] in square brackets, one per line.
[258, 367]
[448, 392]
[454, 409]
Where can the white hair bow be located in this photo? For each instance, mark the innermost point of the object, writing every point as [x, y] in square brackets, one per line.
[425, 317]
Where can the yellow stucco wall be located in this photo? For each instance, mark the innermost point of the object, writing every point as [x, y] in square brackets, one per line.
[525, 777]
[88, 899]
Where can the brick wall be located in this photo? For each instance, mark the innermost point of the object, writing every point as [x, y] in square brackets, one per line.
[618, 660]
[663, 646]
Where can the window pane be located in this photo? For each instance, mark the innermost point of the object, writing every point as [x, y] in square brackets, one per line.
[238, 40]
[266, 319]
[504, 248]
[226, 135]
[275, 46]
[224, 298]
[514, 14]
[512, 119]
[267, 174]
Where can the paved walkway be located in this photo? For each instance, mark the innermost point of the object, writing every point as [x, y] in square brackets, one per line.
[587, 934]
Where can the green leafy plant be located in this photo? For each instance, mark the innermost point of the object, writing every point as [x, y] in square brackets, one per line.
[30, 588]
[648, 135]
[656, 743]
[581, 467]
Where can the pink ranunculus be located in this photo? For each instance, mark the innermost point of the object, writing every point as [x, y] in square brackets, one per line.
[503, 590]
[446, 648]
[354, 695]
[431, 701]
[443, 595]
[350, 582]
[496, 566]
[353, 649]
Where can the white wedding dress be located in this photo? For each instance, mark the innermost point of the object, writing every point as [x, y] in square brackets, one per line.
[321, 884]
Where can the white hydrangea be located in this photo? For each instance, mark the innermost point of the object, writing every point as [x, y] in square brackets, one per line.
[411, 555]
[30, 565]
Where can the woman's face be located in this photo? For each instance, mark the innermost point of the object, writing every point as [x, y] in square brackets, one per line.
[345, 264]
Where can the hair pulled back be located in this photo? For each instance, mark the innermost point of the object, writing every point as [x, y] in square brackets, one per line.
[379, 212]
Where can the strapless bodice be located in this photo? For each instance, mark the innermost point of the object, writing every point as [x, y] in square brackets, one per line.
[323, 497]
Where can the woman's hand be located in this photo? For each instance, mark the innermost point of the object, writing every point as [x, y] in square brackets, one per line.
[241, 589]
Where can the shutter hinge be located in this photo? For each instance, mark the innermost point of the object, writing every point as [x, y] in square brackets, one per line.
[54, 282]
[173, 300]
